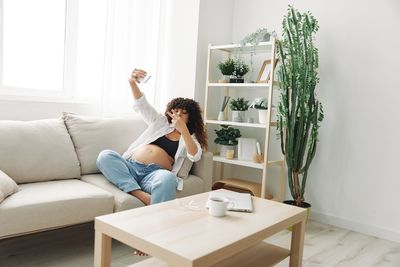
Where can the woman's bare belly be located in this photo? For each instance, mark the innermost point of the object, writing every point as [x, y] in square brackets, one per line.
[153, 154]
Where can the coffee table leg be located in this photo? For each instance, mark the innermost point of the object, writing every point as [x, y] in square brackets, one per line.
[296, 247]
[102, 250]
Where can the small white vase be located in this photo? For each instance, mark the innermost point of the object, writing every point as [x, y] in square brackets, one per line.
[221, 116]
[263, 116]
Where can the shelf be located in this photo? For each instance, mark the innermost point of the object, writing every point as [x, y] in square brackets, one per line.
[240, 185]
[261, 47]
[262, 254]
[235, 161]
[256, 85]
[243, 124]
[247, 163]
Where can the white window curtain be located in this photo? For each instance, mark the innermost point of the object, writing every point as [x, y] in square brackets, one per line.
[132, 42]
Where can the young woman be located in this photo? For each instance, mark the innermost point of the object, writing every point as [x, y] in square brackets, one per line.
[148, 169]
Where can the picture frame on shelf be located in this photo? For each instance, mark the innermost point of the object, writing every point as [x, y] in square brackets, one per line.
[265, 71]
[246, 148]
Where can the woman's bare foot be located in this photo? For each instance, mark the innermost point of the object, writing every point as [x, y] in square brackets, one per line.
[139, 253]
[142, 196]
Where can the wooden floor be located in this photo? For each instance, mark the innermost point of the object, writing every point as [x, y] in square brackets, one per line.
[325, 246]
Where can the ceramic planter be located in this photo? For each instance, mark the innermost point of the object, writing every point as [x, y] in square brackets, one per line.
[226, 151]
[263, 116]
[224, 79]
[221, 116]
[237, 115]
[236, 80]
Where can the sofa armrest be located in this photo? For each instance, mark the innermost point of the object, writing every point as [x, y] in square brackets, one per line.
[204, 169]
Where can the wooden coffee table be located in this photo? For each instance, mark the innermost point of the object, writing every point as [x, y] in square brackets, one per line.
[181, 233]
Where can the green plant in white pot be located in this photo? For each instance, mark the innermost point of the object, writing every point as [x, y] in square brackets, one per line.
[227, 138]
[261, 105]
[299, 111]
[227, 68]
[238, 106]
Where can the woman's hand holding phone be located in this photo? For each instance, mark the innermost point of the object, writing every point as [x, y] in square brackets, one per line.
[138, 76]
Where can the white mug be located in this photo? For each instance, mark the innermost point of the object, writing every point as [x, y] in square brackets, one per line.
[218, 206]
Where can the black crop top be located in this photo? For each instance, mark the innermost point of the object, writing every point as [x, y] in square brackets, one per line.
[168, 145]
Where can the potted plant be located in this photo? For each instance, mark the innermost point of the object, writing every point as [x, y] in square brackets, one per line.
[239, 70]
[261, 104]
[238, 107]
[299, 111]
[227, 139]
[254, 38]
[227, 68]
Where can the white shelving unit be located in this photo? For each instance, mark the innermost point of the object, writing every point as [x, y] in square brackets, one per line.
[249, 85]
[266, 48]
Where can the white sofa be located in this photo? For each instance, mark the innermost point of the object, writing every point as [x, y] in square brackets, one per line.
[53, 163]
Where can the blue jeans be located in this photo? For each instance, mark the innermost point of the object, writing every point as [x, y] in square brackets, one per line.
[129, 175]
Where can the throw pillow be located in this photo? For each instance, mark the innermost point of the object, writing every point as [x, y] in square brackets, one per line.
[185, 168]
[91, 135]
[7, 186]
[37, 151]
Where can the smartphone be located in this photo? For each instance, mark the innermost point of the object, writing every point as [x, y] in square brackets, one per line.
[144, 79]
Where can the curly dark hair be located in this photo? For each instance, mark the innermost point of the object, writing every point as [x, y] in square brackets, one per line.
[195, 123]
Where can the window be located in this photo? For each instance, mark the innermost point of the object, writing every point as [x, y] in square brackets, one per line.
[77, 50]
[33, 44]
[53, 48]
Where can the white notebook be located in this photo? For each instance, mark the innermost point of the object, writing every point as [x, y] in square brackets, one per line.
[241, 201]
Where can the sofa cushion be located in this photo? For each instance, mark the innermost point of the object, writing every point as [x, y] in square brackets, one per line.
[7, 186]
[185, 168]
[46, 205]
[35, 151]
[191, 185]
[91, 135]
[122, 200]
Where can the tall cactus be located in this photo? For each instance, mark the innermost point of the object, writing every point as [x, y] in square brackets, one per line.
[299, 112]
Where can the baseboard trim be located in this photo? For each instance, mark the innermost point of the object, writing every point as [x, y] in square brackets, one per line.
[356, 226]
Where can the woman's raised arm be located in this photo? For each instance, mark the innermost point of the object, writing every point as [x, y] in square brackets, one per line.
[136, 74]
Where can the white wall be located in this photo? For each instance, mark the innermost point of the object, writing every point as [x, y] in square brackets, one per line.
[215, 26]
[353, 181]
